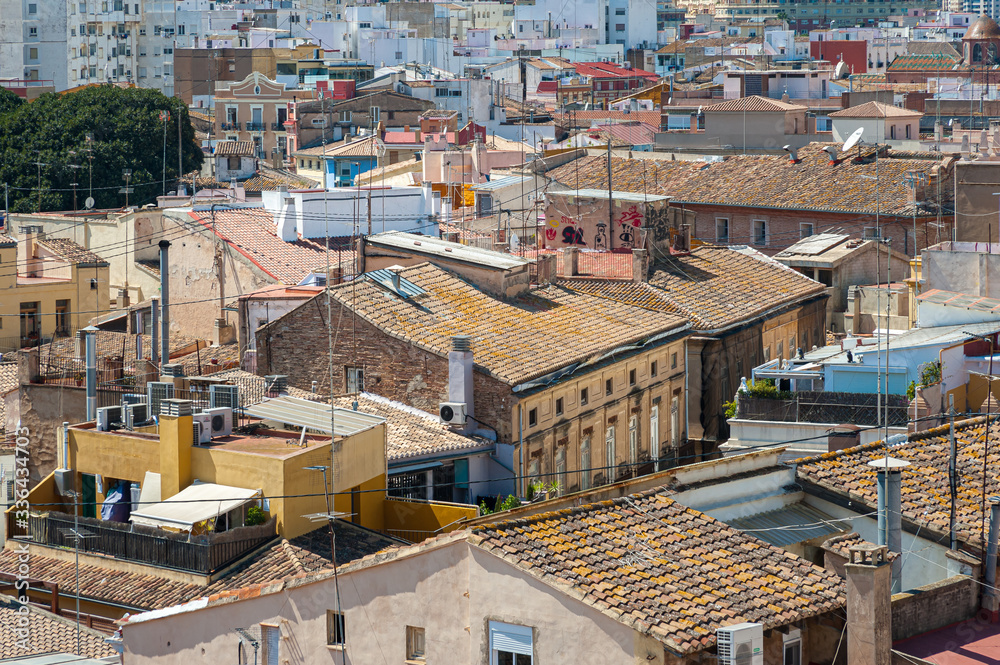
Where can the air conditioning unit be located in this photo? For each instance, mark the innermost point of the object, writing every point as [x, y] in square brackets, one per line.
[107, 415]
[221, 421]
[132, 398]
[136, 414]
[741, 644]
[221, 395]
[202, 428]
[156, 392]
[452, 413]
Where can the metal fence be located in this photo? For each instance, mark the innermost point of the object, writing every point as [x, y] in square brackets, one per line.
[200, 554]
[825, 407]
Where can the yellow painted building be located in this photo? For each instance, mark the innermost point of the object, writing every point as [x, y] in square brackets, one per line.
[48, 286]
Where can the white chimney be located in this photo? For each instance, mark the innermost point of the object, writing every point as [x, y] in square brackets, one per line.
[460, 372]
[286, 219]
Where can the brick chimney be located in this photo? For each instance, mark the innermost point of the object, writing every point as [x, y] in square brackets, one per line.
[571, 261]
[869, 605]
[640, 265]
[546, 268]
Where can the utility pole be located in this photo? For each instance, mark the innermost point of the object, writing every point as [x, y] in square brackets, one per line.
[40, 164]
[165, 118]
[180, 156]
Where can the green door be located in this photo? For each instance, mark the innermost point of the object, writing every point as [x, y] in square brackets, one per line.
[88, 495]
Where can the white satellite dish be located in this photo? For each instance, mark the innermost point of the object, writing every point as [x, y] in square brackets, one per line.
[89, 203]
[853, 140]
[841, 71]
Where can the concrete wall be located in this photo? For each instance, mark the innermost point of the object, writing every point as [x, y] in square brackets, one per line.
[575, 221]
[966, 267]
[42, 409]
[975, 203]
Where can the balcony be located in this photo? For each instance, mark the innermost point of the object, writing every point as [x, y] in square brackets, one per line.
[277, 126]
[256, 126]
[202, 554]
[231, 126]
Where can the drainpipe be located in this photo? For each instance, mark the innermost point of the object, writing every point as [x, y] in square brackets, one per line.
[65, 446]
[165, 295]
[890, 532]
[520, 449]
[90, 343]
[155, 325]
[991, 599]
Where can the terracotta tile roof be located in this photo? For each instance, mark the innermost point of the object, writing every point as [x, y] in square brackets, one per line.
[251, 232]
[914, 47]
[610, 70]
[765, 181]
[410, 432]
[254, 387]
[715, 287]
[71, 251]
[627, 133]
[932, 62]
[840, 545]
[234, 149]
[925, 492]
[876, 110]
[268, 180]
[45, 633]
[211, 360]
[666, 570]
[112, 344]
[8, 382]
[359, 147]
[753, 104]
[7, 241]
[516, 340]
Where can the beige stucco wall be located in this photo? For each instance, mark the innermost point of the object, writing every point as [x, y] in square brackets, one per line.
[451, 591]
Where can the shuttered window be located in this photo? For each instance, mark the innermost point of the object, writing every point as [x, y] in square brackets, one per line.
[510, 644]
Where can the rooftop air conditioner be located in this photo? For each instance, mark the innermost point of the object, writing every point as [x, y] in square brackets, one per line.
[156, 392]
[741, 644]
[136, 414]
[107, 415]
[221, 421]
[222, 395]
[202, 429]
[452, 413]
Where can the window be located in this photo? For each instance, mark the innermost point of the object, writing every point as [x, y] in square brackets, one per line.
[33, 53]
[609, 386]
[583, 397]
[781, 352]
[760, 232]
[620, 11]
[415, 643]
[871, 233]
[532, 417]
[722, 231]
[561, 469]
[270, 637]
[335, 628]
[619, 27]
[633, 442]
[585, 463]
[654, 436]
[609, 452]
[792, 647]
[805, 229]
[32, 31]
[675, 421]
[355, 379]
[673, 360]
[631, 377]
[32, 8]
[652, 368]
[510, 644]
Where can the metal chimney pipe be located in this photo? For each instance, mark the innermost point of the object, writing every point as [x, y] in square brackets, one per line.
[991, 555]
[154, 354]
[90, 344]
[165, 296]
[890, 519]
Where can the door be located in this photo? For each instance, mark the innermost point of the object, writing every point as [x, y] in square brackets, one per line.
[88, 495]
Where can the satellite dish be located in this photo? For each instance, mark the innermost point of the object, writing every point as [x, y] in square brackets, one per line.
[89, 203]
[853, 140]
[841, 71]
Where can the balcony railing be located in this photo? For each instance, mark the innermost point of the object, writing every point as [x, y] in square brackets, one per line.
[204, 554]
[278, 126]
[255, 126]
[231, 126]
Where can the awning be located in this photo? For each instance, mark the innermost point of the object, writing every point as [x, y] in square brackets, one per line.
[192, 505]
[790, 525]
[413, 467]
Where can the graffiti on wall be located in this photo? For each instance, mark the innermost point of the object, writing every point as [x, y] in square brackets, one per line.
[630, 221]
[594, 228]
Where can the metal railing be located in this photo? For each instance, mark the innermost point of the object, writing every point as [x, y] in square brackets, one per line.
[204, 554]
[255, 126]
[825, 407]
[231, 126]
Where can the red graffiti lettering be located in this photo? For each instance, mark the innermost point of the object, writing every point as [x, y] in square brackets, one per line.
[631, 217]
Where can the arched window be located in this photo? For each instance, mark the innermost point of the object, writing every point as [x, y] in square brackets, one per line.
[991, 51]
[977, 53]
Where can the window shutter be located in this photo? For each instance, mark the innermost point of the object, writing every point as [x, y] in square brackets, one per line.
[510, 638]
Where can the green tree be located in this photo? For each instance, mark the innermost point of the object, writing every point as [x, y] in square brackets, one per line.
[127, 134]
[8, 101]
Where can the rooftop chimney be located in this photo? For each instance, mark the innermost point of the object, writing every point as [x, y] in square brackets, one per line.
[571, 261]
[640, 265]
[869, 605]
[460, 373]
[165, 299]
[832, 151]
[890, 473]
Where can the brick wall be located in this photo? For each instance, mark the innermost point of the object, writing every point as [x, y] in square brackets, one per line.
[934, 606]
[783, 227]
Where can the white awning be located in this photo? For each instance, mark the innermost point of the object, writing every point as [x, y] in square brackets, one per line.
[192, 505]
